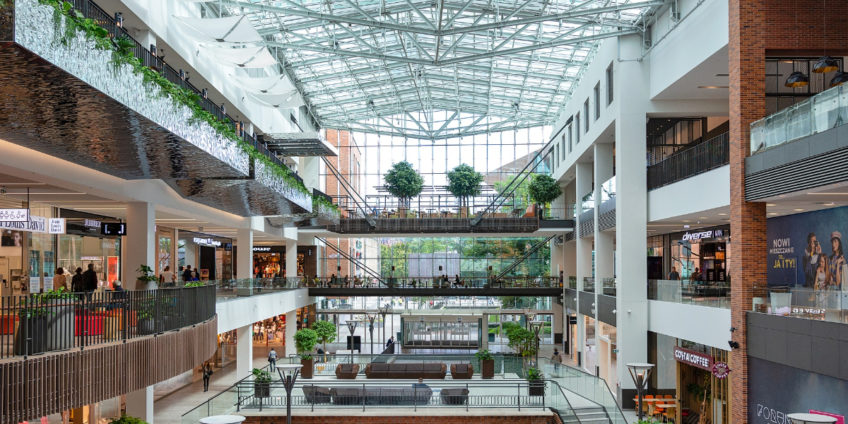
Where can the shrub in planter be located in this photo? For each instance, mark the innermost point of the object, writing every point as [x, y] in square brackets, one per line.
[326, 332]
[146, 278]
[261, 383]
[127, 420]
[487, 363]
[305, 340]
[536, 384]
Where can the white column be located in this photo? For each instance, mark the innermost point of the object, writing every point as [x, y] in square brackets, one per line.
[140, 403]
[244, 351]
[291, 328]
[583, 247]
[139, 245]
[291, 258]
[604, 250]
[244, 258]
[631, 208]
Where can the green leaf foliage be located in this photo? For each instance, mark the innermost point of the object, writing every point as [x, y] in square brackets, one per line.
[403, 181]
[261, 376]
[484, 355]
[533, 374]
[305, 340]
[464, 181]
[325, 331]
[544, 189]
[126, 419]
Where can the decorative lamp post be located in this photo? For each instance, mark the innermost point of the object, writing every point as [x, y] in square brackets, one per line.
[288, 373]
[351, 327]
[804, 418]
[384, 310]
[640, 372]
[536, 327]
[222, 419]
[371, 318]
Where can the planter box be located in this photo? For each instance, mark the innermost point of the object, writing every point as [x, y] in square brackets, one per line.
[34, 329]
[488, 368]
[262, 390]
[88, 324]
[536, 388]
[306, 371]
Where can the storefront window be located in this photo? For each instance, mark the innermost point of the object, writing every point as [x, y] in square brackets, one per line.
[104, 253]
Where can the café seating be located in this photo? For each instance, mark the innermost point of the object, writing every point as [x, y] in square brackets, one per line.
[316, 394]
[347, 371]
[430, 370]
[461, 371]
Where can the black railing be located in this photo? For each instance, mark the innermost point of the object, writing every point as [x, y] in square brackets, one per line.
[89, 9]
[37, 323]
[698, 159]
[435, 225]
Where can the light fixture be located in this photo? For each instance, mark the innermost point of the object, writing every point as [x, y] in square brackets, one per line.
[640, 373]
[733, 344]
[797, 79]
[119, 19]
[713, 87]
[839, 79]
[825, 64]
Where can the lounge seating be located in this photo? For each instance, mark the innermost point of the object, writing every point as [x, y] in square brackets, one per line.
[411, 371]
[455, 396]
[347, 371]
[316, 394]
[381, 396]
[461, 371]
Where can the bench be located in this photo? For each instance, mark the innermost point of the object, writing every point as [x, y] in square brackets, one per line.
[429, 370]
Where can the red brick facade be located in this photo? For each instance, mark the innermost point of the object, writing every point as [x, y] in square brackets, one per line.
[413, 419]
[348, 163]
[760, 28]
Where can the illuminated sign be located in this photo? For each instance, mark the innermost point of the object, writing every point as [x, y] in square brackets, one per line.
[207, 242]
[91, 223]
[113, 229]
[695, 359]
[261, 248]
[698, 235]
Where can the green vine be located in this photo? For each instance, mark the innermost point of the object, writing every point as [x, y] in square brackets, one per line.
[318, 201]
[122, 53]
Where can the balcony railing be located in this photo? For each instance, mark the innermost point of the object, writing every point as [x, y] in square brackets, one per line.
[41, 323]
[800, 302]
[434, 282]
[711, 295]
[588, 284]
[826, 110]
[695, 160]
[608, 286]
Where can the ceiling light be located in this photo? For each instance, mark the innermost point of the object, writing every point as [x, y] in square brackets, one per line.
[839, 79]
[722, 214]
[798, 210]
[797, 79]
[713, 87]
[829, 194]
[772, 213]
[770, 205]
[825, 64]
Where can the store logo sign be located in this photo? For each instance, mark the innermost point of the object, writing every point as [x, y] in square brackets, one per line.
[207, 242]
[261, 249]
[14, 215]
[92, 223]
[702, 235]
[695, 359]
[35, 224]
[721, 369]
[56, 226]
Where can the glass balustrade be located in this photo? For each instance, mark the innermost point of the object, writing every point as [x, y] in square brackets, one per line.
[802, 302]
[711, 295]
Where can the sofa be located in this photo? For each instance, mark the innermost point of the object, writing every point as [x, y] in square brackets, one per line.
[381, 395]
[347, 371]
[317, 394]
[454, 396]
[427, 370]
[461, 371]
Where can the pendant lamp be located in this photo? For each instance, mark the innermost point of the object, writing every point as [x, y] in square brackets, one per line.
[825, 64]
[839, 79]
[797, 79]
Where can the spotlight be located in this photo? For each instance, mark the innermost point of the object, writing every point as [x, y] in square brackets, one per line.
[732, 329]
[733, 344]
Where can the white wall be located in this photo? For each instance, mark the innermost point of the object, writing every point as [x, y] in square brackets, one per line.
[242, 311]
[696, 194]
[700, 324]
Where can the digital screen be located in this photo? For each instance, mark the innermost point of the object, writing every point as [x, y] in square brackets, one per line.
[113, 229]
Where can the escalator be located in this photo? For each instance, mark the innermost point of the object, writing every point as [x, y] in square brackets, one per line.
[353, 260]
[535, 248]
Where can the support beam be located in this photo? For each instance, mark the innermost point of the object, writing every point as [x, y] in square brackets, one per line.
[139, 244]
[244, 351]
[244, 259]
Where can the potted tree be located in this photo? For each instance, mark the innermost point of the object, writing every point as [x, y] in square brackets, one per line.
[403, 182]
[125, 419]
[536, 386]
[543, 190]
[326, 332]
[146, 278]
[521, 340]
[464, 182]
[261, 383]
[487, 363]
[305, 340]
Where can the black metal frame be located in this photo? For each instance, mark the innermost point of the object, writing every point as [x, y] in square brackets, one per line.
[698, 159]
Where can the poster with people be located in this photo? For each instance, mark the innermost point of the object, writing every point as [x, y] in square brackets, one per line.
[807, 250]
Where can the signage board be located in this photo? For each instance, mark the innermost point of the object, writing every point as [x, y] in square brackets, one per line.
[36, 224]
[56, 225]
[113, 229]
[205, 241]
[695, 359]
[14, 215]
[720, 369]
[91, 223]
[261, 248]
[34, 284]
[706, 234]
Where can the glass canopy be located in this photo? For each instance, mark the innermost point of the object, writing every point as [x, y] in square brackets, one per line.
[435, 69]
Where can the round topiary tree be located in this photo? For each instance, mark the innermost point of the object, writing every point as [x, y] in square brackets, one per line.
[326, 332]
[544, 189]
[305, 340]
[403, 182]
[464, 182]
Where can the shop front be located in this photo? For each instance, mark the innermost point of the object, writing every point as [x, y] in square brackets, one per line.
[269, 261]
[702, 387]
[84, 243]
[211, 255]
[696, 255]
[27, 250]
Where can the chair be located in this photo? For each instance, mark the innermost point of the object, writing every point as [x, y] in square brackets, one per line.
[347, 371]
[461, 371]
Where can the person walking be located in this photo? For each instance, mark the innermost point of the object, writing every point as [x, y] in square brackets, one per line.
[556, 358]
[207, 372]
[272, 359]
[167, 277]
[89, 281]
[673, 275]
[60, 281]
[187, 274]
[76, 281]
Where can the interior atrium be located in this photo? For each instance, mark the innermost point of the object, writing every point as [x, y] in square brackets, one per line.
[417, 211]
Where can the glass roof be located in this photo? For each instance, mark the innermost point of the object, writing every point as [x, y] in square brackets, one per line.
[435, 69]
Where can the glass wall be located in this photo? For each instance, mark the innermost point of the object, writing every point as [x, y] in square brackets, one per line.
[76, 251]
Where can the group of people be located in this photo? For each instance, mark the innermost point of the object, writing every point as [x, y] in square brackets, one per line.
[695, 277]
[186, 274]
[823, 272]
[81, 281]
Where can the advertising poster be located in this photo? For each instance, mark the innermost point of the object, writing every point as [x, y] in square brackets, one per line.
[111, 269]
[805, 392]
[806, 250]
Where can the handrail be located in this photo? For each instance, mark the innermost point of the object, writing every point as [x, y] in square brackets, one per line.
[700, 158]
[535, 248]
[367, 270]
[40, 323]
[360, 201]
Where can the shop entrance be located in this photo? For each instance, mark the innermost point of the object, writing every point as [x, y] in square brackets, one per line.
[702, 395]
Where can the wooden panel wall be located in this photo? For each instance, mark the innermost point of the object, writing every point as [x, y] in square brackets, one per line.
[46, 384]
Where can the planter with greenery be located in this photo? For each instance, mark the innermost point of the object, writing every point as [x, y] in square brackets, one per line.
[543, 190]
[464, 183]
[325, 211]
[403, 182]
[487, 363]
[521, 340]
[326, 332]
[125, 419]
[305, 340]
[147, 322]
[261, 383]
[47, 322]
[146, 278]
[535, 382]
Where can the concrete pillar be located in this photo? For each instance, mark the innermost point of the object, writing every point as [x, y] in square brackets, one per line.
[140, 403]
[139, 244]
[94, 413]
[244, 351]
[291, 328]
[558, 327]
[244, 258]
[485, 343]
[291, 258]
[631, 210]
[604, 242]
[583, 248]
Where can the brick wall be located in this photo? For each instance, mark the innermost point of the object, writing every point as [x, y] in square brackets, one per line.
[413, 419]
[758, 28]
[348, 163]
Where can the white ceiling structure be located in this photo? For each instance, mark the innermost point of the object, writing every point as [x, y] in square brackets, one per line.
[434, 69]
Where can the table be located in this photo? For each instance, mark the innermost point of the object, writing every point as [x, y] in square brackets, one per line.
[809, 418]
[222, 419]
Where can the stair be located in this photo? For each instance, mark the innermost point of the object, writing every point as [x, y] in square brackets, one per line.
[588, 416]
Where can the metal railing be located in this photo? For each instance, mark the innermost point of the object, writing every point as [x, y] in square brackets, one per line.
[325, 364]
[593, 388]
[426, 305]
[608, 286]
[695, 160]
[434, 225]
[50, 322]
[243, 287]
[826, 110]
[715, 295]
[435, 282]
[802, 302]
[530, 252]
[89, 9]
